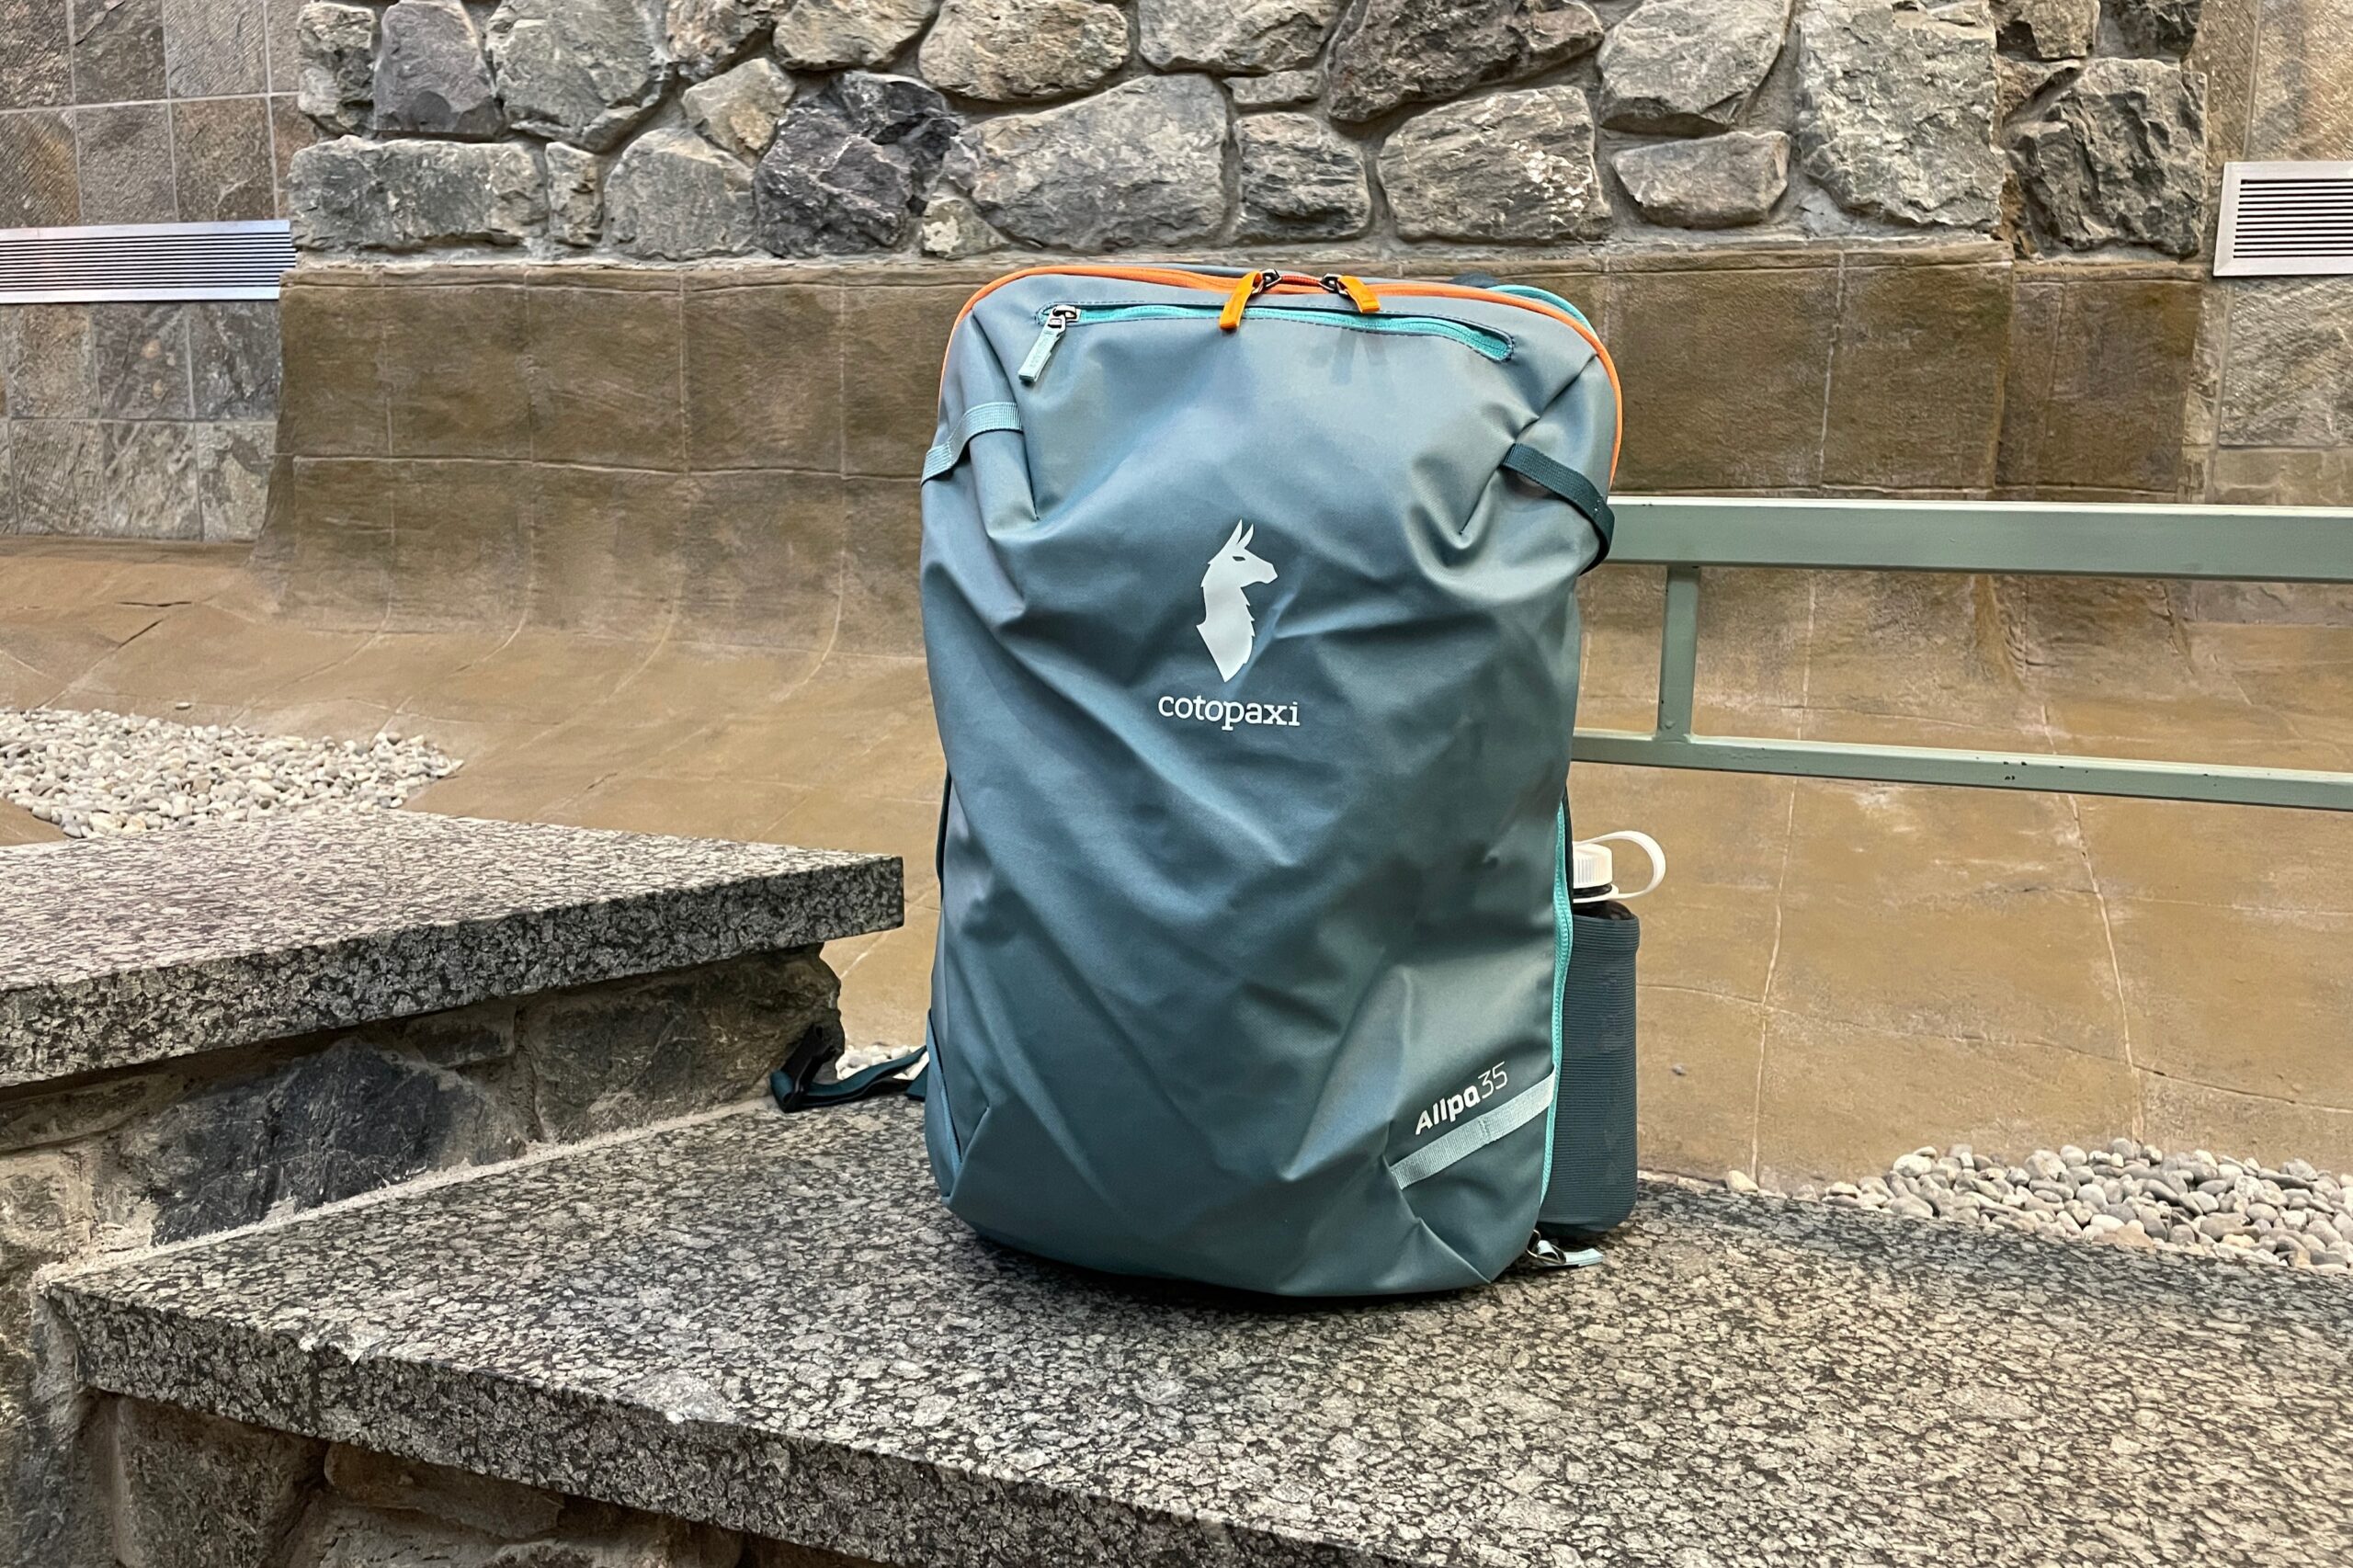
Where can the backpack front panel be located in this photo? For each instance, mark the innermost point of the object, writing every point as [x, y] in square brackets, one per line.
[1254, 681]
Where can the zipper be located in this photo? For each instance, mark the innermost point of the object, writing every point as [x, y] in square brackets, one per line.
[1185, 277]
[1057, 320]
[1563, 934]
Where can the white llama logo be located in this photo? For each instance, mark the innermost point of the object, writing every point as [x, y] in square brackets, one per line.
[1226, 626]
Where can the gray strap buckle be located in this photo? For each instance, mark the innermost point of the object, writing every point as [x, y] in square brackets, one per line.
[1543, 1253]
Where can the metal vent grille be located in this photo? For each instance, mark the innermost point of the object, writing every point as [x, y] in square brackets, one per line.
[145, 261]
[2281, 219]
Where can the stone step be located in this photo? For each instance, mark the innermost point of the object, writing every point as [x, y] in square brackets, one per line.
[123, 951]
[769, 1325]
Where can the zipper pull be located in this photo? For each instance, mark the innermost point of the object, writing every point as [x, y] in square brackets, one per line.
[1249, 287]
[1058, 320]
[1359, 292]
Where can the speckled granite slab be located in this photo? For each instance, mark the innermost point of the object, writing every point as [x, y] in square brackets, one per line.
[124, 950]
[770, 1323]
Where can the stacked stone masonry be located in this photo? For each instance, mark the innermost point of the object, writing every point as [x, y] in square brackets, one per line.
[697, 129]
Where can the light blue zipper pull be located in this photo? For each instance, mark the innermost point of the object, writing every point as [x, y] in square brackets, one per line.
[1058, 321]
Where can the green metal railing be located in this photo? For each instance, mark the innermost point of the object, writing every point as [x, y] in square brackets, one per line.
[2270, 544]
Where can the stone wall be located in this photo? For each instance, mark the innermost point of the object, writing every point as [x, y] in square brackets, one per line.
[698, 128]
[1391, 135]
[151, 420]
[115, 1163]
[194, 1489]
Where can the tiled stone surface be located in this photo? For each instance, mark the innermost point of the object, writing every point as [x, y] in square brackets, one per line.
[232, 356]
[2290, 378]
[39, 186]
[2301, 98]
[225, 168]
[233, 464]
[118, 51]
[150, 486]
[36, 65]
[45, 356]
[140, 353]
[126, 163]
[227, 936]
[58, 469]
[1740, 1377]
[215, 48]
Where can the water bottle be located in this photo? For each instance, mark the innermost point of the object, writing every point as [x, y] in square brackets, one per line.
[1591, 1189]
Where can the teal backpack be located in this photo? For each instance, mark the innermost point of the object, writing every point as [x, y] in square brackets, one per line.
[1250, 604]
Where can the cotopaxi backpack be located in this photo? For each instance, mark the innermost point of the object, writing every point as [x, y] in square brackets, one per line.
[1248, 601]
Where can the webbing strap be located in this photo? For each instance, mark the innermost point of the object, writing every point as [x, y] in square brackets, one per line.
[792, 1092]
[1474, 1135]
[979, 419]
[1569, 485]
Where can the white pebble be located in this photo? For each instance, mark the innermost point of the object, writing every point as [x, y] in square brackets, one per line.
[95, 774]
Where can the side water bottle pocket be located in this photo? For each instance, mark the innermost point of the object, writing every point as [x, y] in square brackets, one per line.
[1594, 1154]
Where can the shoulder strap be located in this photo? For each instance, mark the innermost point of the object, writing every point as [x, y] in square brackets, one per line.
[1566, 482]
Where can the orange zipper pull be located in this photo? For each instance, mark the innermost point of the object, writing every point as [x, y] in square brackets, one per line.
[1359, 293]
[1250, 286]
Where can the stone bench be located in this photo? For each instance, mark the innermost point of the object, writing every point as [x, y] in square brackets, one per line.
[766, 1324]
[205, 1029]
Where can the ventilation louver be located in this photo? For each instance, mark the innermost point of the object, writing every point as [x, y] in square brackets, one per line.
[145, 261]
[2282, 219]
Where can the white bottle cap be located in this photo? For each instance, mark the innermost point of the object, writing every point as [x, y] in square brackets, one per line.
[1594, 871]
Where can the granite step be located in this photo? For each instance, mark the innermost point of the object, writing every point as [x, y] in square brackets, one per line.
[768, 1324]
[123, 951]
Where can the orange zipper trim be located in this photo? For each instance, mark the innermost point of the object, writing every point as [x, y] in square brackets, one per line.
[1299, 282]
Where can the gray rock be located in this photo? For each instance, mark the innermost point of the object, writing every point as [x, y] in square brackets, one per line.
[1236, 37]
[739, 109]
[579, 71]
[175, 1467]
[575, 195]
[826, 35]
[431, 79]
[1392, 52]
[348, 1121]
[44, 1218]
[1276, 89]
[1300, 179]
[2047, 29]
[336, 46]
[708, 35]
[1897, 113]
[848, 167]
[337, 1534]
[671, 196]
[503, 1510]
[400, 195]
[952, 228]
[2119, 156]
[1515, 165]
[1140, 164]
[1690, 65]
[2221, 1225]
[1008, 51]
[1719, 182]
[2167, 27]
[2020, 82]
[623, 1055]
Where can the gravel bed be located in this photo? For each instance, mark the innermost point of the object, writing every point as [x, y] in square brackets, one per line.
[2129, 1193]
[95, 774]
